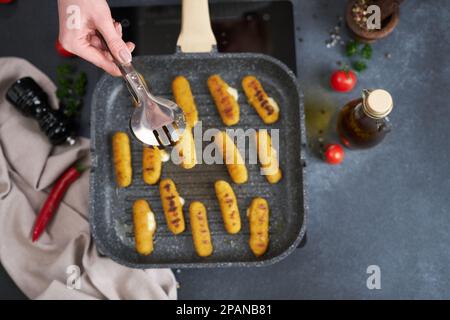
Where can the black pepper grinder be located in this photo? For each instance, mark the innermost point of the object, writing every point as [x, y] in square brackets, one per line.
[29, 98]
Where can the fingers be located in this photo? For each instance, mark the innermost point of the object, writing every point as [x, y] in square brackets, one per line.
[111, 32]
[83, 48]
[131, 46]
[118, 28]
[97, 43]
[101, 60]
[87, 45]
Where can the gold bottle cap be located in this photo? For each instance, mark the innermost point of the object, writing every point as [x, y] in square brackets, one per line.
[378, 103]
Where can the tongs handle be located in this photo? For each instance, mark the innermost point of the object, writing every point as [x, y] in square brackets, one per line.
[134, 81]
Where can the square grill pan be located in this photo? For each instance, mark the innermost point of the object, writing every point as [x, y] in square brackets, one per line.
[111, 207]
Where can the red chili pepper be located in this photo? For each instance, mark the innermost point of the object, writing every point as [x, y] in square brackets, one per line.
[54, 199]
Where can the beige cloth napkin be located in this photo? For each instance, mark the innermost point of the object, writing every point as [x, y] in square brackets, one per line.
[29, 166]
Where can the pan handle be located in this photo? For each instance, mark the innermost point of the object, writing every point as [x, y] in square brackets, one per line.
[196, 33]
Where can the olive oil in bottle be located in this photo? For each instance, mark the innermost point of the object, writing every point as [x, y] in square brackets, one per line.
[363, 123]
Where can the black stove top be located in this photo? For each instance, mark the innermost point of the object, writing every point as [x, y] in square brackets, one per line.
[257, 26]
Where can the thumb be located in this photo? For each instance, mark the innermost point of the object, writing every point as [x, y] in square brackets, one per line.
[114, 41]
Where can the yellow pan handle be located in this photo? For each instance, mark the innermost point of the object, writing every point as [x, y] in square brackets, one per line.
[196, 33]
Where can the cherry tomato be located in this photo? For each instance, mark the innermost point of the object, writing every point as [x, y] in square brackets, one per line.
[334, 153]
[63, 52]
[343, 80]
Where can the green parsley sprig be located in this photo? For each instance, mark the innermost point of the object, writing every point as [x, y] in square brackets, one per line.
[354, 48]
[71, 89]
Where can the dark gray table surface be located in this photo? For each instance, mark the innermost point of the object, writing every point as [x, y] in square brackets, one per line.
[388, 206]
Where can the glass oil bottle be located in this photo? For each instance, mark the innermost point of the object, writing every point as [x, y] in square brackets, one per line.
[363, 123]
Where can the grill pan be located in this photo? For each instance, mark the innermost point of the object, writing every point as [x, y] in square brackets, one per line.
[111, 207]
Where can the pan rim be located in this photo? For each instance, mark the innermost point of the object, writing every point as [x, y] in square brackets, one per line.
[101, 243]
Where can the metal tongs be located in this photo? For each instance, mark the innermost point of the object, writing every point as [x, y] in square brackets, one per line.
[155, 121]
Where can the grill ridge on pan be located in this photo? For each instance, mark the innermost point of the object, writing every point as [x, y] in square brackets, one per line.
[110, 215]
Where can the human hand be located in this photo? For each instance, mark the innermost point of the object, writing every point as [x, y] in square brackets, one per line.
[79, 22]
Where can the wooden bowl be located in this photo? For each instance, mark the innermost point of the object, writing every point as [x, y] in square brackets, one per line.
[368, 36]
